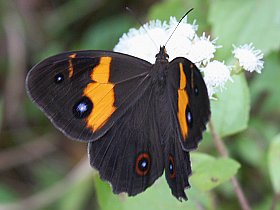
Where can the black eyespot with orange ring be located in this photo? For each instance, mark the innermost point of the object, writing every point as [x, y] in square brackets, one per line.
[171, 167]
[143, 164]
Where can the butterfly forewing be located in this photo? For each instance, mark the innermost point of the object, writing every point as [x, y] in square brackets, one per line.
[190, 101]
[81, 92]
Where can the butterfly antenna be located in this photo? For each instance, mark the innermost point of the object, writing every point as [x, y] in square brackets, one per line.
[141, 23]
[178, 25]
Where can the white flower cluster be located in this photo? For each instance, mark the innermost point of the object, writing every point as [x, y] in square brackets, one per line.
[248, 57]
[145, 42]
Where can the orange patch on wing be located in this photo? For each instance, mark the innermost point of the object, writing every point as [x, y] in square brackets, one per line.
[70, 68]
[101, 72]
[101, 93]
[74, 55]
[183, 101]
[70, 65]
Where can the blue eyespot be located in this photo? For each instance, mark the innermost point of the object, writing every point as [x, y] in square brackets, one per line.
[189, 117]
[82, 108]
[171, 166]
[196, 90]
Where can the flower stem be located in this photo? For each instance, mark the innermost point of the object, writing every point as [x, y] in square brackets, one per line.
[224, 153]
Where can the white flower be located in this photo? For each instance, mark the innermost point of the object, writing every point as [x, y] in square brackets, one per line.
[216, 74]
[188, 31]
[180, 42]
[248, 57]
[202, 50]
[183, 43]
[139, 42]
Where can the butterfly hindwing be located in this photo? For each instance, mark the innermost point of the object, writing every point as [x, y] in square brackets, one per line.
[129, 155]
[191, 101]
[177, 168]
[81, 92]
[189, 113]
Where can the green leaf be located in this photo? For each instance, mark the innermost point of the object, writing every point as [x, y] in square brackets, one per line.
[158, 196]
[246, 143]
[163, 10]
[273, 163]
[255, 139]
[51, 49]
[106, 199]
[265, 203]
[77, 195]
[106, 33]
[209, 172]
[177, 8]
[245, 21]
[66, 14]
[7, 194]
[230, 112]
[265, 88]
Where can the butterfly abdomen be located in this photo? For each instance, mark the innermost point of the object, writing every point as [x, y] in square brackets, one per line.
[163, 114]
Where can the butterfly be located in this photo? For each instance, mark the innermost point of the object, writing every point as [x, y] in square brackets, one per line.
[139, 119]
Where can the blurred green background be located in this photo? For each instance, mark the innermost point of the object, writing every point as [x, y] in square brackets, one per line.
[40, 169]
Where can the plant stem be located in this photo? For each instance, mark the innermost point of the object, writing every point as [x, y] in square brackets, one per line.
[224, 153]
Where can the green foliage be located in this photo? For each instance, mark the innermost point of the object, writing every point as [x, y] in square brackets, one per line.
[7, 194]
[273, 163]
[266, 204]
[77, 196]
[105, 35]
[209, 172]
[256, 155]
[267, 85]
[230, 112]
[156, 197]
[163, 10]
[239, 22]
[66, 15]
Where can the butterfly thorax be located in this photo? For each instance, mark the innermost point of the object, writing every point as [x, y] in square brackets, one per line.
[162, 56]
[159, 69]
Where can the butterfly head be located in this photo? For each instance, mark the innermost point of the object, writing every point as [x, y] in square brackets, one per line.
[162, 56]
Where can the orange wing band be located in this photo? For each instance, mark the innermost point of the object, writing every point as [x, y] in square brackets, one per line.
[183, 101]
[101, 93]
[70, 65]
